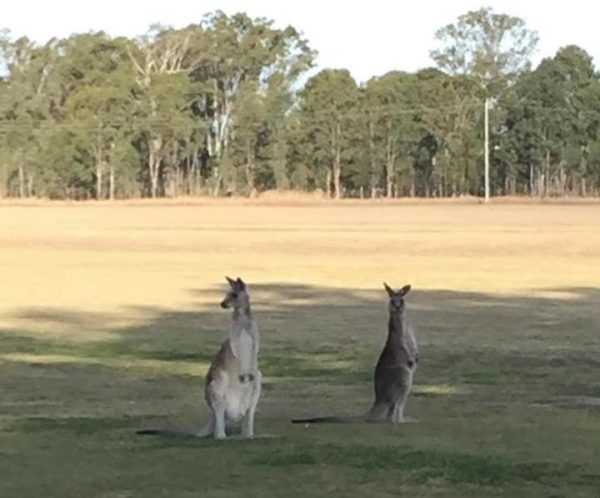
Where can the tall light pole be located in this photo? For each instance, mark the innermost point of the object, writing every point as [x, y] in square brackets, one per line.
[486, 147]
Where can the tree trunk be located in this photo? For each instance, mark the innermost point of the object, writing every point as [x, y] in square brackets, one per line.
[30, 185]
[209, 143]
[582, 169]
[282, 181]
[188, 180]
[531, 180]
[509, 185]
[4, 192]
[154, 148]
[546, 174]
[173, 173]
[111, 177]
[328, 183]
[21, 180]
[372, 160]
[337, 165]
[99, 160]
[196, 175]
[337, 173]
[389, 168]
[222, 120]
[249, 167]
[218, 179]
[98, 179]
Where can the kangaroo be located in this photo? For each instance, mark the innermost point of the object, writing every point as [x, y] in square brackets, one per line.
[394, 371]
[233, 382]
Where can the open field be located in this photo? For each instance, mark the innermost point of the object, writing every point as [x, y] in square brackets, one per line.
[109, 318]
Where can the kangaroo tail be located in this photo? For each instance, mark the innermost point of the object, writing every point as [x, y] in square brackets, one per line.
[206, 431]
[330, 420]
[379, 413]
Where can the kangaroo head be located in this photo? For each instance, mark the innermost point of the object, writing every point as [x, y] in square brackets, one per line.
[396, 297]
[237, 295]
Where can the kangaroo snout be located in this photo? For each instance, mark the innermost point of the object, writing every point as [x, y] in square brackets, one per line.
[224, 304]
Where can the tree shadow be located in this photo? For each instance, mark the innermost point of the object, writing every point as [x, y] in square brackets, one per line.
[484, 346]
[495, 371]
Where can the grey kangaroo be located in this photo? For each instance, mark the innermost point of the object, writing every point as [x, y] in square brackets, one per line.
[394, 371]
[233, 382]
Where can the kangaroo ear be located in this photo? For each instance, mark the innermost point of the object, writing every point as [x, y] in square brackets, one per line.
[241, 284]
[231, 282]
[389, 290]
[405, 290]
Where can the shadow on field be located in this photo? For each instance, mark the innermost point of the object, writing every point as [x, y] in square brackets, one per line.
[531, 348]
[500, 360]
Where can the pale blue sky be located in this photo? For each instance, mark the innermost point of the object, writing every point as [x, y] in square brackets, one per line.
[367, 37]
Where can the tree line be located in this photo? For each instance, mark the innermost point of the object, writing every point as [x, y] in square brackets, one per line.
[218, 108]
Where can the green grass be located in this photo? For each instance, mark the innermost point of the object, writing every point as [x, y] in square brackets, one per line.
[490, 422]
[109, 318]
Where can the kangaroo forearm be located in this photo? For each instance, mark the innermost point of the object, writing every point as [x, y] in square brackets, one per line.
[411, 353]
[253, 359]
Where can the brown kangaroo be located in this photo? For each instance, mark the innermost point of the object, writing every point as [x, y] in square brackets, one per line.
[394, 371]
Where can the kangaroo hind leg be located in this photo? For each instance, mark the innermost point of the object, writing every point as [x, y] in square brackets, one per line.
[217, 403]
[398, 410]
[248, 421]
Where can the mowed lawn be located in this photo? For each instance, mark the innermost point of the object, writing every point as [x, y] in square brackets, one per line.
[109, 318]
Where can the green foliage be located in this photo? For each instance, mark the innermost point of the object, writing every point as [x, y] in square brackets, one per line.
[493, 47]
[327, 113]
[390, 132]
[216, 108]
[553, 126]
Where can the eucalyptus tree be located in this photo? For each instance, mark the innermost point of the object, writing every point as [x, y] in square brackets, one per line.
[163, 60]
[495, 48]
[447, 154]
[328, 109]
[98, 108]
[27, 103]
[553, 125]
[238, 54]
[391, 110]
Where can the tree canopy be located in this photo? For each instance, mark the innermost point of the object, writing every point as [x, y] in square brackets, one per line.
[218, 108]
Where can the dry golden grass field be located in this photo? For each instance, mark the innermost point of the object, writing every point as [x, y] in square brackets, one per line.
[109, 318]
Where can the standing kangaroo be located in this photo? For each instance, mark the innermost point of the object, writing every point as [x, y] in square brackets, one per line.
[233, 382]
[394, 371]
